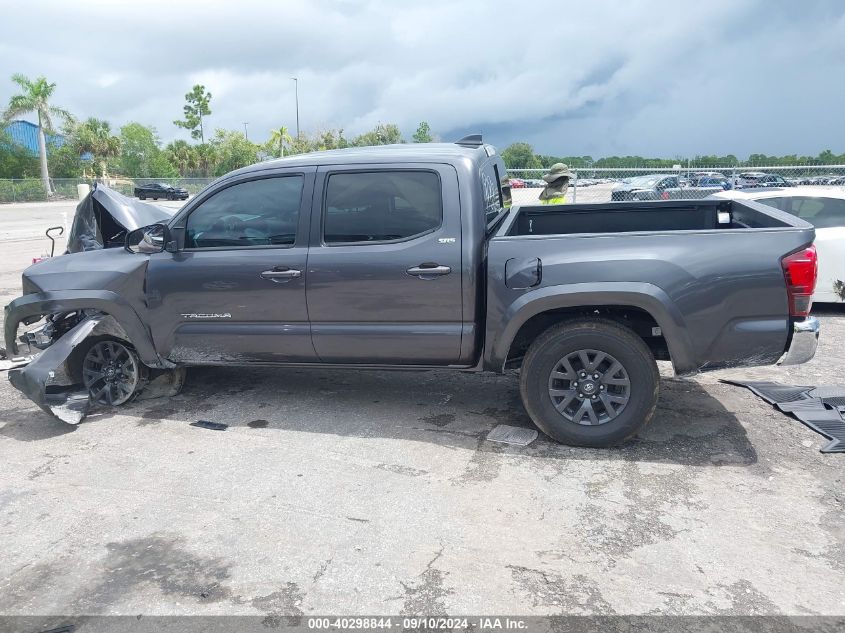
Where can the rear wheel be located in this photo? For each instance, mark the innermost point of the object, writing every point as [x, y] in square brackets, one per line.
[590, 382]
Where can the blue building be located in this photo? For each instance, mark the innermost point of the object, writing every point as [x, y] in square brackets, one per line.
[26, 134]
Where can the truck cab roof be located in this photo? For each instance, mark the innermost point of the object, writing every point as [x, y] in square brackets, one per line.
[405, 152]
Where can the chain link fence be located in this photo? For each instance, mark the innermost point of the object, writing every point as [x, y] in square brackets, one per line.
[609, 185]
[588, 184]
[32, 190]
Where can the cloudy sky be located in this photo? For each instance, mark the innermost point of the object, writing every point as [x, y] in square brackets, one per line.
[595, 77]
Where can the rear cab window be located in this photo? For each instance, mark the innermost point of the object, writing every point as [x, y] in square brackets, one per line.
[496, 195]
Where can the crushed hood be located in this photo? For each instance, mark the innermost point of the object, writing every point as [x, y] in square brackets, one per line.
[103, 269]
[104, 217]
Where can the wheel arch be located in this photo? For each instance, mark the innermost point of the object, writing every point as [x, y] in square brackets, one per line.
[641, 306]
[123, 322]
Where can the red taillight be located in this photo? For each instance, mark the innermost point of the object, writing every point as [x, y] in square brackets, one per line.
[800, 270]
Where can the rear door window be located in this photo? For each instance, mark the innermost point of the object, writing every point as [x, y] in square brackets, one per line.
[381, 206]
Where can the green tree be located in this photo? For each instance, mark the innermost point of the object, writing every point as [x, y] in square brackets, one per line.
[279, 139]
[197, 106]
[65, 162]
[423, 133]
[16, 161]
[520, 156]
[232, 151]
[382, 134]
[181, 155]
[94, 136]
[205, 158]
[140, 153]
[35, 97]
[329, 139]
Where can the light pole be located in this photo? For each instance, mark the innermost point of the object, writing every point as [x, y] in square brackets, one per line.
[296, 88]
[246, 134]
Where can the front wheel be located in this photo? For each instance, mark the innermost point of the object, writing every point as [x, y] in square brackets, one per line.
[589, 382]
[109, 369]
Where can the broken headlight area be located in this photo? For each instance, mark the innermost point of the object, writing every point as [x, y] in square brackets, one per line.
[48, 329]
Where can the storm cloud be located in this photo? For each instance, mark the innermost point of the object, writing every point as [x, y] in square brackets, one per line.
[601, 77]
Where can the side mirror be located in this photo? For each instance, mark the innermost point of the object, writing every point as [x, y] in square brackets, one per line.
[148, 239]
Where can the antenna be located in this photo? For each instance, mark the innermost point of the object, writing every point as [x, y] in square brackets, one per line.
[471, 140]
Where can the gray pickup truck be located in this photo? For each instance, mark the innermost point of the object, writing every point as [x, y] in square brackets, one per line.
[411, 257]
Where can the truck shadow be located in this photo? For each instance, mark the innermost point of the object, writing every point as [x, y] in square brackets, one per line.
[690, 425]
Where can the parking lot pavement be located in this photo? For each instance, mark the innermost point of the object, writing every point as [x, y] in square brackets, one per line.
[376, 492]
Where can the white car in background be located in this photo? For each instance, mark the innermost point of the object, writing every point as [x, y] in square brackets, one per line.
[824, 208]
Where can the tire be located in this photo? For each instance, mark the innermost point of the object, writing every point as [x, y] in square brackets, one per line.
[143, 197]
[554, 402]
[79, 370]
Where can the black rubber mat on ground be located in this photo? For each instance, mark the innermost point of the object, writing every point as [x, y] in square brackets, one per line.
[819, 408]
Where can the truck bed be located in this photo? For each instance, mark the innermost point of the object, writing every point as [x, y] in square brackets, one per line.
[626, 217]
[705, 275]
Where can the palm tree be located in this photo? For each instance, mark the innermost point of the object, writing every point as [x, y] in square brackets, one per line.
[182, 156]
[206, 157]
[35, 97]
[278, 139]
[94, 136]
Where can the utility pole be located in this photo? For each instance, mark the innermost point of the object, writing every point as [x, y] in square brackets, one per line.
[246, 134]
[296, 88]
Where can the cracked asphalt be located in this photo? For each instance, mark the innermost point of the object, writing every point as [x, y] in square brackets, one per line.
[340, 492]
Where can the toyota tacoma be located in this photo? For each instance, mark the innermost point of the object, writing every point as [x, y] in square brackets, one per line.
[411, 257]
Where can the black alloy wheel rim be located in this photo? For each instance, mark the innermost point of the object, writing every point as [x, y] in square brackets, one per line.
[110, 373]
[589, 387]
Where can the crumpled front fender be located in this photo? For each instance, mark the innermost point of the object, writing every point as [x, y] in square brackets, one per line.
[104, 301]
[69, 404]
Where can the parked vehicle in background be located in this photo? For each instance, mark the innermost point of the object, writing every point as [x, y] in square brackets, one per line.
[829, 179]
[156, 190]
[406, 257]
[774, 180]
[659, 187]
[534, 183]
[647, 187]
[517, 183]
[714, 181]
[752, 179]
[698, 175]
[824, 208]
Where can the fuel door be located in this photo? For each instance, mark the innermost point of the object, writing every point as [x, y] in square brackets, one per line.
[523, 272]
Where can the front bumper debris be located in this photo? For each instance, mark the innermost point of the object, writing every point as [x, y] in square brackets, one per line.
[69, 403]
[805, 340]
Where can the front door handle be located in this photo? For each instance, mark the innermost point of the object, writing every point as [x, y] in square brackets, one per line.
[281, 274]
[428, 270]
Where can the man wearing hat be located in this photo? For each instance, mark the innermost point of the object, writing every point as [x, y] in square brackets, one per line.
[558, 182]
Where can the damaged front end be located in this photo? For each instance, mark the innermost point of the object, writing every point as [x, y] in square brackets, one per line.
[71, 305]
[104, 217]
[69, 403]
[82, 359]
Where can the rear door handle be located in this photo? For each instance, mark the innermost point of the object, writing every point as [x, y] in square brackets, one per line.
[281, 274]
[428, 270]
